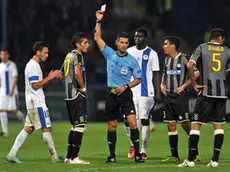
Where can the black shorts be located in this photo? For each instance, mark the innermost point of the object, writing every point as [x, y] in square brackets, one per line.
[207, 108]
[115, 103]
[176, 107]
[77, 110]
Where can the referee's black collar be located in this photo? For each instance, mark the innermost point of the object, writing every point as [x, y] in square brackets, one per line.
[122, 55]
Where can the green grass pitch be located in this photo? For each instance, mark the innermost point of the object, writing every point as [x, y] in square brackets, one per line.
[95, 150]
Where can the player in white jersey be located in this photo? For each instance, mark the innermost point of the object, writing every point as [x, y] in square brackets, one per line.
[8, 91]
[144, 93]
[37, 112]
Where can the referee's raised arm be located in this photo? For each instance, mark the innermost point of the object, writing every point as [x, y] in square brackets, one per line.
[97, 34]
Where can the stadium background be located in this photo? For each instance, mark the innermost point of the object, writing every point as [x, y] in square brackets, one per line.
[55, 21]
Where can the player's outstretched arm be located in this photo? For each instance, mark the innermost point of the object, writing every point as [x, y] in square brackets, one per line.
[51, 76]
[97, 34]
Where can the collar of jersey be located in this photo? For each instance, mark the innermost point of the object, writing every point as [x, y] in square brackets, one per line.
[142, 49]
[215, 43]
[176, 56]
[123, 55]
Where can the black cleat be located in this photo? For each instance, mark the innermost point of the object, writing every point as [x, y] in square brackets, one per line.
[139, 158]
[111, 160]
[3, 134]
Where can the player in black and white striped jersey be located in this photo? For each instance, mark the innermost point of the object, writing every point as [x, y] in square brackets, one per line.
[213, 60]
[174, 86]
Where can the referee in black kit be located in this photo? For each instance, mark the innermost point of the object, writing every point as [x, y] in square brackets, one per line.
[173, 85]
[121, 66]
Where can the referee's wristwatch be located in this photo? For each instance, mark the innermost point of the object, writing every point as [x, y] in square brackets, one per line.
[126, 86]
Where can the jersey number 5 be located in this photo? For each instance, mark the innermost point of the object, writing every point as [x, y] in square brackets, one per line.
[217, 61]
[66, 66]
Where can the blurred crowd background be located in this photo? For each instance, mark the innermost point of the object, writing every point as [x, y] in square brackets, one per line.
[55, 21]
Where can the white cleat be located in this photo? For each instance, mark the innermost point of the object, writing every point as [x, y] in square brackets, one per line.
[187, 163]
[67, 161]
[212, 164]
[77, 160]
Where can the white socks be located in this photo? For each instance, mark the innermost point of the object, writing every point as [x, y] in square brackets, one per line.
[139, 123]
[4, 122]
[20, 139]
[50, 144]
[20, 116]
[128, 133]
[145, 138]
[151, 124]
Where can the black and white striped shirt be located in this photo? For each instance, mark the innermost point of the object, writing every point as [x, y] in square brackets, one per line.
[175, 72]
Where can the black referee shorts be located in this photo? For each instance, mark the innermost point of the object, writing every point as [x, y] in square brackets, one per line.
[208, 108]
[77, 110]
[176, 107]
[114, 103]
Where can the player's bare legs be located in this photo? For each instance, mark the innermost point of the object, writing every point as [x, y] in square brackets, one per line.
[4, 122]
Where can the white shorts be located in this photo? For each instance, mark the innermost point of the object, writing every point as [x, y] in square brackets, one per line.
[38, 118]
[143, 106]
[9, 103]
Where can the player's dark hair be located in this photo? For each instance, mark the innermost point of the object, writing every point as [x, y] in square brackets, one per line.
[39, 45]
[215, 33]
[175, 41]
[142, 30]
[4, 50]
[122, 35]
[77, 38]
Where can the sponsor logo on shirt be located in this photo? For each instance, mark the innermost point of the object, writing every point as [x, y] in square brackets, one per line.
[173, 72]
